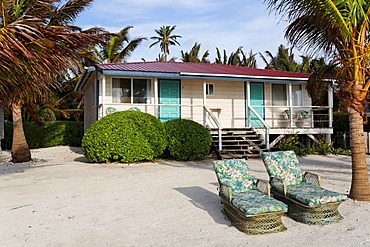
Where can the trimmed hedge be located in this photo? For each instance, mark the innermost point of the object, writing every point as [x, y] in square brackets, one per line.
[126, 136]
[187, 140]
[53, 133]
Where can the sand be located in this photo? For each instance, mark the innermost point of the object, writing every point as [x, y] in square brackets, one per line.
[60, 199]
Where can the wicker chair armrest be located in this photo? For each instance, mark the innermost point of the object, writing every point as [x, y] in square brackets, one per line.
[263, 186]
[312, 178]
[225, 191]
[278, 184]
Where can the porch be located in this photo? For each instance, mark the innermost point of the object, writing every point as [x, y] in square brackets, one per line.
[270, 128]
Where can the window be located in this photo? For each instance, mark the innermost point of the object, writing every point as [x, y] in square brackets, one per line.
[279, 95]
[121, 90]
[210, 89]
[297, 95]
[128, 90]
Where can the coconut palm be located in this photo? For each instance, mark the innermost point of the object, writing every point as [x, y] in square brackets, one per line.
[165, 39]
[237, 58]
[163, 58]
[220, 59]
[340, 28]
[38, 44]
[232, 59]
[193, 55]
[116, 48]
[283, 60]
[248, 60]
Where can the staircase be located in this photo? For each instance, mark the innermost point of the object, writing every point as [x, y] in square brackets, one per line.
[239, 143]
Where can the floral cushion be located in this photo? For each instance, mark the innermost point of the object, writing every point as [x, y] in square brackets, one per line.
[234, 173]
[312, 195]
[283, 165]
[255, 202]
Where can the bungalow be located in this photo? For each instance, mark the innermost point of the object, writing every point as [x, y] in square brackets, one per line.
[221, 97]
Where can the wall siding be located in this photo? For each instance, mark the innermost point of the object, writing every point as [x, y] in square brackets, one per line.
[228, 102]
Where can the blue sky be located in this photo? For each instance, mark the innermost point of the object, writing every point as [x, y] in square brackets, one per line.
[213, 23]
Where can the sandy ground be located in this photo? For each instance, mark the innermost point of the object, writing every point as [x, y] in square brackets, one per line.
[61, 200]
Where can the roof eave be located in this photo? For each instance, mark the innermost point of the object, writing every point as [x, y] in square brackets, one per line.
[83, 79]
[175, 75]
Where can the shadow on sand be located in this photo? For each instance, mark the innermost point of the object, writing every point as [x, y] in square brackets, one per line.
[207, 201]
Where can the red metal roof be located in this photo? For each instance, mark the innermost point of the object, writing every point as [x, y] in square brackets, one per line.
[201, 69]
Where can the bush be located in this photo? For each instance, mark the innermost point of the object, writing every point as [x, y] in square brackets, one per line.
[291, 142]
[187, 140]
[127, 136]
[341, 122]
[53, 133]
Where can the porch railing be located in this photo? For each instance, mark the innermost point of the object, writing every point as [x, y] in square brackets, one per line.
[265, 125]
[208, 115]
[282, 117]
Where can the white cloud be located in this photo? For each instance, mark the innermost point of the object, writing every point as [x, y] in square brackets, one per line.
[213, 23]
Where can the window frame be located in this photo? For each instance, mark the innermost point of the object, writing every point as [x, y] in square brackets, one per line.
[148, 82]
[208, 85]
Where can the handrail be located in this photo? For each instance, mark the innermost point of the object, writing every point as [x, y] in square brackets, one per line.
[267, 134]
[216, 122]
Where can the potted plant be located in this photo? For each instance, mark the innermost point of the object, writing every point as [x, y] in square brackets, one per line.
[286, 114]
[300, 117]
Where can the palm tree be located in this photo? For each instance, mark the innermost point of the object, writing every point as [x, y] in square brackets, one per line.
[193, 55]
[116, 48]
[233, 59]
[38, 45]
[284, 60]
[248, 60]
[220, 59]
[341, 28]
[162, 58]
[165, 38]
[237, 58]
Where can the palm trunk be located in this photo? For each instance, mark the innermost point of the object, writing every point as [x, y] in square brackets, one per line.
[360, 188]
[20, 150]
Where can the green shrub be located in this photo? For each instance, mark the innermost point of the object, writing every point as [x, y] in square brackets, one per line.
[187, 140]
[53, 133]
[127, 136]
[340, 122]
[291, 142]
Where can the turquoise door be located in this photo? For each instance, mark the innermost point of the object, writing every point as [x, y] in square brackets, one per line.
[169, 93]
[257, 102]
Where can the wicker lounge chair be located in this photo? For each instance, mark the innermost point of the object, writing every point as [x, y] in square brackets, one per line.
[307, 201]
[247, 203]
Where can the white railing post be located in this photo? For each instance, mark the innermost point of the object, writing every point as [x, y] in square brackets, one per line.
[330, 103]
[216, 123]
[267, 128]
[220, 139]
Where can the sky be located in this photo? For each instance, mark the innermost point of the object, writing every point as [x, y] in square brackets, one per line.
[212, 23]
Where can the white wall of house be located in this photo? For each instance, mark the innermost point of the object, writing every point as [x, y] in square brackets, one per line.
[228, 101]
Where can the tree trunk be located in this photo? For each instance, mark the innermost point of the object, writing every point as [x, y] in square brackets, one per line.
[360, 188]
[20, 150]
